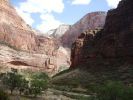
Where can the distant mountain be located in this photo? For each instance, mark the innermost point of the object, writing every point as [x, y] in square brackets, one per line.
[59, 32]
[89, 21]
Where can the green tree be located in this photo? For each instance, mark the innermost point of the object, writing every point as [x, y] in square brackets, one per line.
[13, 81]
[23, 85]
[39, 83]
[10, 80]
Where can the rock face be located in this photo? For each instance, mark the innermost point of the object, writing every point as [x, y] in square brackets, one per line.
[47, 45]
[57, 33]
[39, 52]
[82, 49]
[117, 36]
[14, 30]
[89, 21]
[114, 41]
[10, 58]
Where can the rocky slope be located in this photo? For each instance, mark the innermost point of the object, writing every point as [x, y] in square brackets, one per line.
[15, 33]
[89, 21]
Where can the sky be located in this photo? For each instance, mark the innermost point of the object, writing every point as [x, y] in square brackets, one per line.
[44, 15]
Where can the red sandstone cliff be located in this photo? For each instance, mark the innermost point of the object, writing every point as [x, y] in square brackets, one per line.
[35, 51]
[89, 21]
[14, 30]
[114, 41]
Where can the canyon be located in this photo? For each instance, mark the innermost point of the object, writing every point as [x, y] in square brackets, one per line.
[80, 58]
[25, 48]
[103, 54]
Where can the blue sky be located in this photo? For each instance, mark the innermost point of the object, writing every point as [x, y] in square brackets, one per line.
[45, 15]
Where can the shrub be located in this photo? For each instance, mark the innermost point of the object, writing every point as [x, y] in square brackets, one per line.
[3, 95]
[13, 81]
[38, 83]
[114, 91]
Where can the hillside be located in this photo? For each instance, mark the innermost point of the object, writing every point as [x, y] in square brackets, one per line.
[103, 54]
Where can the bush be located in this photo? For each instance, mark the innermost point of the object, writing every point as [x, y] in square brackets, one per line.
[14, 81]
[114, 91]
[38, 83]
[3, 95]
[34, 85]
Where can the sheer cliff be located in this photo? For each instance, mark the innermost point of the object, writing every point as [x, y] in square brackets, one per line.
[37, 51]
[115, 40]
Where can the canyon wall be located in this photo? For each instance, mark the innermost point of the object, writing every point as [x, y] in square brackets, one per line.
[22, 47]
[114, 41]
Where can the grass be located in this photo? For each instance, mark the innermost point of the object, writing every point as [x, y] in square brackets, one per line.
[16, 97]
[3, 95]
[77, 97]
[94, 73]
[113, 90]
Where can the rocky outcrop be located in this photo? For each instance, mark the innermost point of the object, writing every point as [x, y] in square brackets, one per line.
[114, 41]
[10, 58]
[59, 32]
[47, 45]
[82, 49]
[89, 21]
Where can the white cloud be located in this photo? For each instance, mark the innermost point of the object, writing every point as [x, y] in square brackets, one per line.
[80, 2]
[45, 9]
[48, 22]
[25, 16]
[42, 6]
[113, 3]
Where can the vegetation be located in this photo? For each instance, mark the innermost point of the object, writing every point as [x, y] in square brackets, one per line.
[23, 85]
[12, 80]
[36, 83]
[33, 85]
[39, 83]
[3, 95]
[112, 91]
